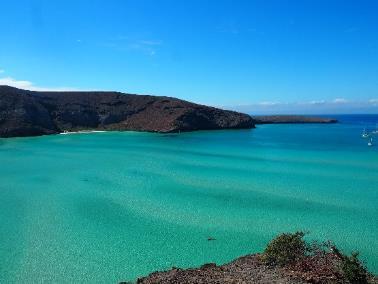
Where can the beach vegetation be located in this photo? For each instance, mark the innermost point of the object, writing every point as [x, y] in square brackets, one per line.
[320, 260]
[353, 269]
[285, 249]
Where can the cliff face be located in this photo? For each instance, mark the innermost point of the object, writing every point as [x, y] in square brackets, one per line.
[27, 113]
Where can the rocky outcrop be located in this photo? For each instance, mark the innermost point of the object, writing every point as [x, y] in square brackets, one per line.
[287, 259]
[247, 269]
[324, 268]
[28, 113]
[23, 115]
[276, 119]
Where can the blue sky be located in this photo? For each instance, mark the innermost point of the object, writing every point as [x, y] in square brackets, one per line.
[257, 56]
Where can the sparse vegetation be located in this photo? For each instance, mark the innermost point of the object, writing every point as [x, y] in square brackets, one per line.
[285, 249]
[353, 269]
[315, 261]
[287, 259]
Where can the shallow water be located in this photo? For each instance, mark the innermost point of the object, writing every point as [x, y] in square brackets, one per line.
[107, 207]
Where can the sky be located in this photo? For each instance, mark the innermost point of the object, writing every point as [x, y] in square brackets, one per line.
[257, 56]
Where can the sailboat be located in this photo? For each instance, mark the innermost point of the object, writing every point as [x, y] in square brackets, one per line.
[370, 143]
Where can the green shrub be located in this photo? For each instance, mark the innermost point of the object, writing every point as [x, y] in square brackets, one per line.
[285, 249]
[292, 249]
[353, 269]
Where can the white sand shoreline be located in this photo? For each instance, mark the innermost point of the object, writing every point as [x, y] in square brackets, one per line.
[82, 132]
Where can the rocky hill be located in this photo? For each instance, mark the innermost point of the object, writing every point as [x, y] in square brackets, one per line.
[29, 113]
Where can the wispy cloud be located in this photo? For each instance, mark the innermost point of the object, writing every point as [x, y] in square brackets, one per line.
[124, 43]
[151, 42]
[147, 49]
[320, 102]
[27, 85]
[267, 103]
[374, 102]
[234, 29]
[340, 101]
[337, 105]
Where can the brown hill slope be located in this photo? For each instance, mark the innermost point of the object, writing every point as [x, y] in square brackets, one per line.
[28, 113]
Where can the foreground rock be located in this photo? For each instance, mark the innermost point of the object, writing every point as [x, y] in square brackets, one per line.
[275, 119]
[251, 269]
[27, 113]
[287, 259]
[248, 269]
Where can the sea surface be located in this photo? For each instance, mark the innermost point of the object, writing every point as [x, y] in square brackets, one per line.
[106, 207]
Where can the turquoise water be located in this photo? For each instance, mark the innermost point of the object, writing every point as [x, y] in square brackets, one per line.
[113, 206]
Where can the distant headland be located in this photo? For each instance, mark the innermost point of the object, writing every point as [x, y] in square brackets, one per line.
[274, 119]
[32, 113]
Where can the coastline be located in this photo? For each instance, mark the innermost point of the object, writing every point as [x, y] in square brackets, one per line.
[82, 132]
[44, 113]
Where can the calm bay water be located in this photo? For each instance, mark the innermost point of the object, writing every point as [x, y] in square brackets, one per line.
[113, 206]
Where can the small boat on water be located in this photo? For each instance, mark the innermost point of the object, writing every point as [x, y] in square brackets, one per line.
[370, 143]
[365, 134]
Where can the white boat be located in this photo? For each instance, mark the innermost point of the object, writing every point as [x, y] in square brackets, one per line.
[365, 134]
[370, 143]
